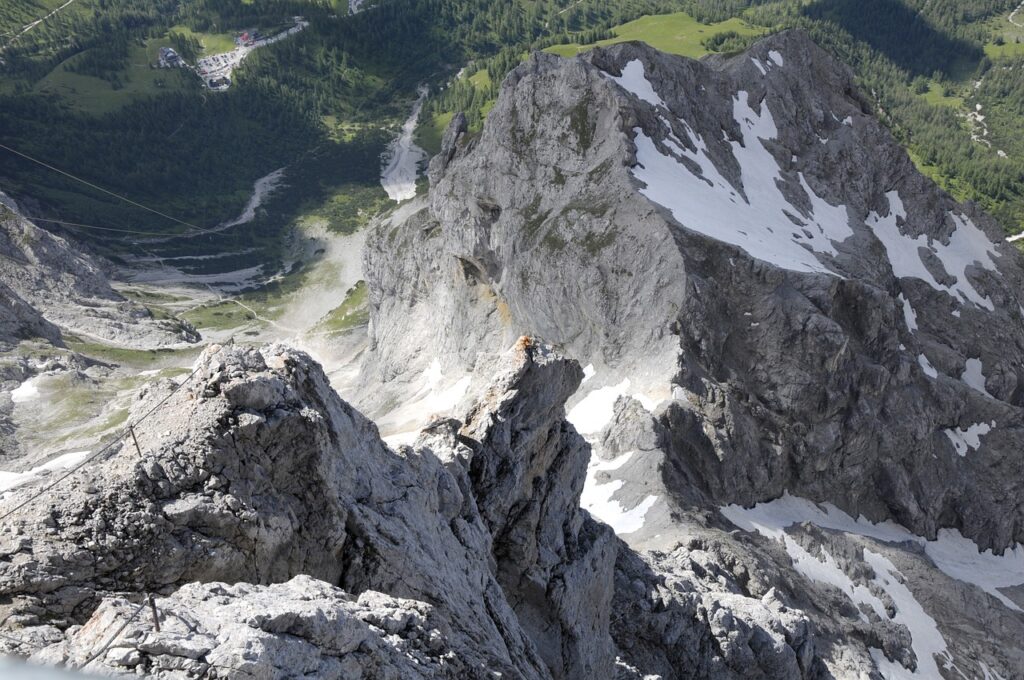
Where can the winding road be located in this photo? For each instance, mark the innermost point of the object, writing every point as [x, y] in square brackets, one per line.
[1014, 13]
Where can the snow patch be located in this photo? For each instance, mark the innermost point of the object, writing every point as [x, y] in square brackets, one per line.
[775, 56]
[597, 498]
[926, 640]
[398, 176]
[26, 391]
[974, 377]
[596, 409]
[762, 222]
[926, 366]
[634, 80]
[435, 395]
[759, 65]
[10, 480]
[909, 315]
[970, 438]
[956, 556]
[262, 188]
[968, 246]
[771, 519]
[827, 570]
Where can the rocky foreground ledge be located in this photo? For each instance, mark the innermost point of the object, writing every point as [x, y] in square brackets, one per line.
[282, 537]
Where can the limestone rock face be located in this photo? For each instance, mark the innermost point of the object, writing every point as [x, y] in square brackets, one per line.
[20, 321]
[66, 289]
[743, 232]
[255, 471]
[797, 427]
[299, 627]
[775, 308]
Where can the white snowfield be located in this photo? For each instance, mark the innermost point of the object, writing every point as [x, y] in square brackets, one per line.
[437, 395]
[261, 189]
[759, 223]
[764, 223]
[10, 480]
[968, 246]
[597, 498]
[974, 376]
[954, 555]
[909, 315]
[26, 391]
[927, 367]
[403, 157]
[597, 408]
[634, 80]
[970, 438]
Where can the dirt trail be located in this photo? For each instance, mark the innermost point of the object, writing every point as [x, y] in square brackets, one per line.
[1015, 13]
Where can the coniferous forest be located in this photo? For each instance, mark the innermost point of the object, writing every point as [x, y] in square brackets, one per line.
[80, 90]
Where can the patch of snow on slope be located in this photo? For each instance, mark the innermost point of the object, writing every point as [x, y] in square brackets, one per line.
[909, 315]
[597, 498]
[402, 425]
[775, 56]
[970, 438]
[597, 408]
[26, 391]
[968, 246]
[956, 556]
[827, 570]
[398, 177]
[759, 65]
[988, 673]
[959, 558]
[634, 80]
[759, 223]
[927, 367]
[926, 639]
[10, 480]
[974, 377]
[771, 519]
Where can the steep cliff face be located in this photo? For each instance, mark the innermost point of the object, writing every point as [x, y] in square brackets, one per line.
[280, 533]
[747, 246]
[799, 412]
[255, 471]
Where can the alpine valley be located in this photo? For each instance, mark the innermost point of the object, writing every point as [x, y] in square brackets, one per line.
[591, 360]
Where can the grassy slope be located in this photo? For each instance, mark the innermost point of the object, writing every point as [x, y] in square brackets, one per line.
[1010, 33]
[935, 97]
[677, 33]
[96, 96]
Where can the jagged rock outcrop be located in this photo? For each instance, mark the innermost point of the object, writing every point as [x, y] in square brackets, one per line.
[297, 628]
[769, 299]
[19, 321]
[742, 232]
[45, 283]
[283, 535]
[742, 253]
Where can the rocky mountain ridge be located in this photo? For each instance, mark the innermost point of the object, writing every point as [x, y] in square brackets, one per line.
[754, 253]
[463, 556]
[790, 430]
